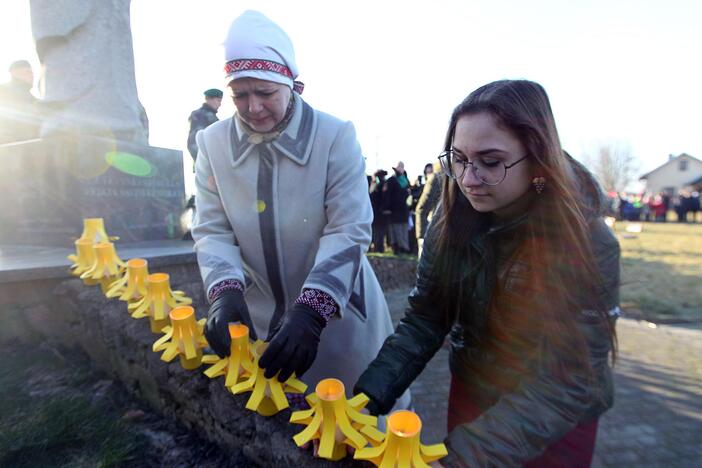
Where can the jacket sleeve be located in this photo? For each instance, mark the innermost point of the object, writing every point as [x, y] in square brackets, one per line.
[196, 125]
[347, 233]
[218, 253]
[405, 353]
[558, 397]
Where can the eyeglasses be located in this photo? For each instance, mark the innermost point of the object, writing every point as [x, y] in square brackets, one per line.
[489, 173]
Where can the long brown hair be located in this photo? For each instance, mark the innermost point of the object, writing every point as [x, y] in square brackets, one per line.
[561, 276]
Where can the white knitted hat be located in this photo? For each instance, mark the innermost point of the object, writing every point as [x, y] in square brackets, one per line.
[256, 47]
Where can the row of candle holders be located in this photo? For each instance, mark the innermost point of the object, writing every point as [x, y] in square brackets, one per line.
[333, 421]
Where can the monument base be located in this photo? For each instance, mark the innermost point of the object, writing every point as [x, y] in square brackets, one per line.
[51, 185]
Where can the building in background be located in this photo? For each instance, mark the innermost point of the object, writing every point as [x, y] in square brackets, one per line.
[678, 173]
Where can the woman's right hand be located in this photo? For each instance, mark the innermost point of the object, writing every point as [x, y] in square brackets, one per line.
[228, 307]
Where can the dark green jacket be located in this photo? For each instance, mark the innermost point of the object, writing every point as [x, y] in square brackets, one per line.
[19, 113]
[199, 119]
[541, 404]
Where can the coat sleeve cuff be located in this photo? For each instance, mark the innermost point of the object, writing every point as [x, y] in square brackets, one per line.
[224, 285]
[320, 302]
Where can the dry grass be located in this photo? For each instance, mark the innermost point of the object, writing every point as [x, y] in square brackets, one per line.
[662, 269]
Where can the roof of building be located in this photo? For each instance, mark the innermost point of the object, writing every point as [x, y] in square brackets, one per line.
[671, 160]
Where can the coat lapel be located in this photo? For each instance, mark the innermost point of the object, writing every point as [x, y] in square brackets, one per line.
[296, 140]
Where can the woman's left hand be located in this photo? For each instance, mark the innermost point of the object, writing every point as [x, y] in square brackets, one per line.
[293, 346]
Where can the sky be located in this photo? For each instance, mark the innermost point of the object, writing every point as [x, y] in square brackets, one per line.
[617, 71]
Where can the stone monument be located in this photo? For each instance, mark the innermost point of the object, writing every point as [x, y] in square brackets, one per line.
[85, 48]
[93, 158]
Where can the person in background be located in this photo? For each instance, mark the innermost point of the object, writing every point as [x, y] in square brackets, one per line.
[396, 210]
[657, 208]
[380, 222]
[623, 206]
[694, 205]
[521, 271]
[416, 190]
[284, 219]
[428, 170]
[203, 117]
[200, 119]
[665, 196]
[427, 203]
[19, 117]
[401, 175]
[681, 205]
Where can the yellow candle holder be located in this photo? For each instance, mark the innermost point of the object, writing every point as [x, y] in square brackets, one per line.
[239, 364]
[83, 259]
[402, 447]
[333, 420]
[158, 301]
[94, 231]
[132, 285]
[106, 267]
[184, 338]
[267, 395]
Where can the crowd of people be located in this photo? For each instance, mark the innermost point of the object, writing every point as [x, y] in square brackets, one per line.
[655, 207]
[402, 209]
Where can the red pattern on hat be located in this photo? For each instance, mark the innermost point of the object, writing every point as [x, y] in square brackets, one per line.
[256, 64]
[262, 65]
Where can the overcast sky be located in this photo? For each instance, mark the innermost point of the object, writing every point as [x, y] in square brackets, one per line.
[616, 71]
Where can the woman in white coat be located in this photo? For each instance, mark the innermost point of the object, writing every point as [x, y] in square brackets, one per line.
[284, 220]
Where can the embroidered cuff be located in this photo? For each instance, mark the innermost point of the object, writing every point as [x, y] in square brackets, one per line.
[224, 285]
[320, 302]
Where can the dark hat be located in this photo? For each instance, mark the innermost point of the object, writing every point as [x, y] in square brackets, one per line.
[19, 64]
[214, 92]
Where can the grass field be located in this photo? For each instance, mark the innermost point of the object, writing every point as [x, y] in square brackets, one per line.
[662, 270]
[45, 420]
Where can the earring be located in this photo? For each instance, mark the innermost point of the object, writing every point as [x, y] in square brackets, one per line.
[539, 184]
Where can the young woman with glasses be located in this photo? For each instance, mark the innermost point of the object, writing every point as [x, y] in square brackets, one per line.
[521, 272]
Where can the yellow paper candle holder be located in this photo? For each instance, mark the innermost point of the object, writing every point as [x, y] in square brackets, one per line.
[158, 301]
[132, 285]
[83, 259]
[402, 447]
[333, 420]
[267, 395]
[239, 364]
[94, 231]
[183, 338]
[106, 267]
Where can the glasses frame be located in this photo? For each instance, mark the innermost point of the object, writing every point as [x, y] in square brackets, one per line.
[445, 159]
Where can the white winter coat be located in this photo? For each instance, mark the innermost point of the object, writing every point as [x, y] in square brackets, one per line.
[291, 214]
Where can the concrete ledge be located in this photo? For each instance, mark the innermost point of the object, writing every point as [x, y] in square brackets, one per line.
[26, 263]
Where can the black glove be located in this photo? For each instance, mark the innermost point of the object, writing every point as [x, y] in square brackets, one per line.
[294, 342]
[228, 307]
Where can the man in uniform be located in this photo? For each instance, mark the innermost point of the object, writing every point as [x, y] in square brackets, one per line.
[200, 119]
[203, 117]
[18, 113]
